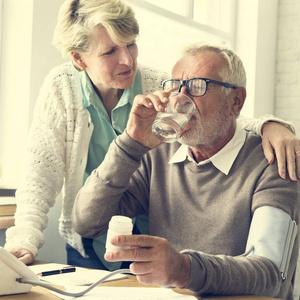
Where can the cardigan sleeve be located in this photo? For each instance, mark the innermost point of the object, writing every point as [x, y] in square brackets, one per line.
[255, 125]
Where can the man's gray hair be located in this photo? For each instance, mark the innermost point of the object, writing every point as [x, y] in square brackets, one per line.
[233, 71]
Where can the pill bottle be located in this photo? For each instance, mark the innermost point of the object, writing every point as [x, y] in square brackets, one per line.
[118, 225]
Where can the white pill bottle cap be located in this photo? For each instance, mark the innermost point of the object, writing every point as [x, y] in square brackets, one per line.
[118, 225]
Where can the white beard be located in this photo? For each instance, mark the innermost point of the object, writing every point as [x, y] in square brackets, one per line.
[207, 131]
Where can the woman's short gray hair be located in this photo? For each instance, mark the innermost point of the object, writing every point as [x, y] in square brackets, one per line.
[78, 19]
[233, 71]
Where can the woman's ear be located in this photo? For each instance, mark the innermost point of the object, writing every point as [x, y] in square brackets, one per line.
[239, 99]
[77, 59]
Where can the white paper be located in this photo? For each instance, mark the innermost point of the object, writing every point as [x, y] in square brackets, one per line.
[81, 276]
[7, 200]
[126, 293]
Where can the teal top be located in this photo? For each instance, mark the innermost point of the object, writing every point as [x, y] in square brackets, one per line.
[105, 131]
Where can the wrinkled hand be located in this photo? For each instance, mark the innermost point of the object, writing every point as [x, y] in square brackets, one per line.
[279, 139]
[141, 118]
[154, 260]
[22, 254]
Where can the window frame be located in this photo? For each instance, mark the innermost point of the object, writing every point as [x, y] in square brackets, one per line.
[229, 37]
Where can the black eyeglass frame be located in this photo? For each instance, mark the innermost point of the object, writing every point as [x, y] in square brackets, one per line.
[184, 82]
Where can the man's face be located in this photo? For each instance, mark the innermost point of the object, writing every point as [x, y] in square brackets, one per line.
[214, 117]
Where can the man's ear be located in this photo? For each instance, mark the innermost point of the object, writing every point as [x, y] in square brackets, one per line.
[239, 99]
[76, 56]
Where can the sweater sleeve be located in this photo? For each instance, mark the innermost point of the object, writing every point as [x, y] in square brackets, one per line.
[227, 275]
[111, 189]
[44, 166]
[255, 125]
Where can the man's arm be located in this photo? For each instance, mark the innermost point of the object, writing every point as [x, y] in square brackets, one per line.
[105, 192]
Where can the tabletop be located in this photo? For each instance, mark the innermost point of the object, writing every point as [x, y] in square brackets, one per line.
[39, 293]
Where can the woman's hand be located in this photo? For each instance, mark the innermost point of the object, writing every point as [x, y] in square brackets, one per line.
[22, 254]
[279, 141]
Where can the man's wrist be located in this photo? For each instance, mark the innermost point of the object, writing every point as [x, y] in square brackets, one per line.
[184, 271]
[130, 146]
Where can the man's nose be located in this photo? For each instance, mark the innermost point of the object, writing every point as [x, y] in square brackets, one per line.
[182, 86]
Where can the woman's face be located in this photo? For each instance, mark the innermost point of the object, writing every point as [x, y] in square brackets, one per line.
[109, 65]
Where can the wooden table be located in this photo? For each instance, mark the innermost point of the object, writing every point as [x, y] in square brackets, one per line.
[39, 293]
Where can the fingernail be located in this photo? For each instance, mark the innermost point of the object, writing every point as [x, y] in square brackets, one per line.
[107, 256]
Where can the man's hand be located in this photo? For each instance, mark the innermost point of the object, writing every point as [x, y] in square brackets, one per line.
[141, 118]
[279, 139]
[154, 260]
[22, 254]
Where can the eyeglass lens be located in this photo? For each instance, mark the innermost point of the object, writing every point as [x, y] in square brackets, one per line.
[195, 86]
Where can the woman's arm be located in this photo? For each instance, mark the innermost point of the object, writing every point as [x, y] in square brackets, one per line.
[43, 175]
[278, 140]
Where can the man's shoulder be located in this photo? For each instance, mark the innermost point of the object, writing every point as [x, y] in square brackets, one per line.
[164, 152]
[251, 154]
[253, 142]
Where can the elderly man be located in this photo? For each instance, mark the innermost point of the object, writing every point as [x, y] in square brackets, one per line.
[221, 220]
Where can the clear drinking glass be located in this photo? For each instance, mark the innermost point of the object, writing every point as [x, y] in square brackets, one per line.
[170, 124]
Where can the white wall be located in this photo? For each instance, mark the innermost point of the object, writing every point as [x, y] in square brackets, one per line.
[256, 45]
[27, 56]
[287, 84]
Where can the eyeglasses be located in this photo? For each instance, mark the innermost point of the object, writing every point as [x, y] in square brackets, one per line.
[196, 87]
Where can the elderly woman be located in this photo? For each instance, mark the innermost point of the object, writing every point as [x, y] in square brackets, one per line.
[81, 108]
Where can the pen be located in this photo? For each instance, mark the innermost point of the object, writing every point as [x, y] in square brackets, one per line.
[54, 272]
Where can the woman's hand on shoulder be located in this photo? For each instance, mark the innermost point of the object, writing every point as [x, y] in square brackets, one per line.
[278, 141]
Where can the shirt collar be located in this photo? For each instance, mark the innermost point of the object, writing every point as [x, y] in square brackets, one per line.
[222, 160]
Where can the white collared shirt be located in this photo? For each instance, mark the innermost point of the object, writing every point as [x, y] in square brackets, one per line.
[222, 160]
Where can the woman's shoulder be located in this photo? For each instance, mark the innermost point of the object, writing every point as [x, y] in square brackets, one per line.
[61, 85]
[65, 70]
[151, 78]
[150, 72]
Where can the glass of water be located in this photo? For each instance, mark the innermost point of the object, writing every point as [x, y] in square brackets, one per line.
[170, 124]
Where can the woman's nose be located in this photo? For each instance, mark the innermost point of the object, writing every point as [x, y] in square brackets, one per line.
[126, 57]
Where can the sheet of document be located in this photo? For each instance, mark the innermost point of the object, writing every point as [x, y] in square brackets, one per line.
[81, 276]
[126, 293]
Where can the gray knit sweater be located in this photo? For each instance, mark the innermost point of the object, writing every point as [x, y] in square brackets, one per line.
[195, 207]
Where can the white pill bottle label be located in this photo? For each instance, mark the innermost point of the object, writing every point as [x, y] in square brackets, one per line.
[118, 225]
